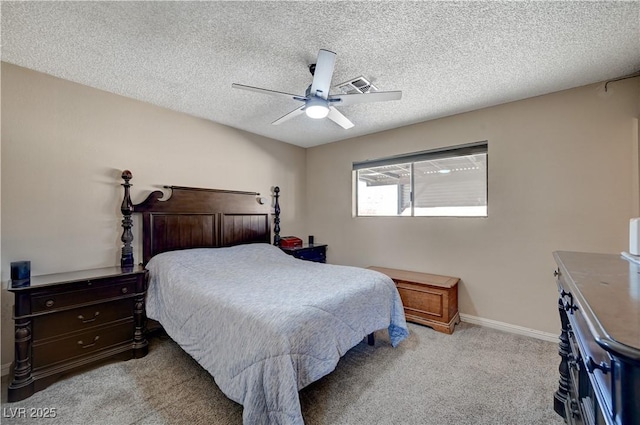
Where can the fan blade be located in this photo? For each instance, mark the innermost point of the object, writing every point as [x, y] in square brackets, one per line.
[323, 73]
[290, 115]
[271, 92]
[337, 117]
[377, 96]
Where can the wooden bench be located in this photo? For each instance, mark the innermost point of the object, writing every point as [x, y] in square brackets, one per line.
[428, 299]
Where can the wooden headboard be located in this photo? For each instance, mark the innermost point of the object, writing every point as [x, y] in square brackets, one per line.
[195, 218]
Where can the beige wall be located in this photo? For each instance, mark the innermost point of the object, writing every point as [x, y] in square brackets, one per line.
[64, 146]
[562, 176]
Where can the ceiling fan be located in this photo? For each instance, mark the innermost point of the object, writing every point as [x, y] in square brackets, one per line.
[317, 102]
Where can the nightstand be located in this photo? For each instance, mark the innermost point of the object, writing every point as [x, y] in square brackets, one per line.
[315, 252]
[66, 321]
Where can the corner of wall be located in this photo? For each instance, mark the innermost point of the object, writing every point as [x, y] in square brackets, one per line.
[636, 169]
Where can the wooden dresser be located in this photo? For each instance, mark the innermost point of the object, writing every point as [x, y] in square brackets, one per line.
[428, 299]
[599, 309]
[70, 320]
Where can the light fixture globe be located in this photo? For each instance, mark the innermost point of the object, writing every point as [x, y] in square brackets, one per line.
[316, 108]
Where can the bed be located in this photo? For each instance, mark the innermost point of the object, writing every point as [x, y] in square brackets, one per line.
[262, 323]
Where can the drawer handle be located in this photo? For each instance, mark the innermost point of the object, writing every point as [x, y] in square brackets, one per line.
[591, 366]
[89, 345]
[93, 319]
[49, 303]
[124, 290]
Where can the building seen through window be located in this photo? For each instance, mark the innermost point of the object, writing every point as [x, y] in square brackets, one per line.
[447, 182]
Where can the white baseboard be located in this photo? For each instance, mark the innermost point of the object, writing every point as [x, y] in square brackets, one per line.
[520, 330]
[6, 369]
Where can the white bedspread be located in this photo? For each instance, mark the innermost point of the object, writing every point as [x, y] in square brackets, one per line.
[265, 324]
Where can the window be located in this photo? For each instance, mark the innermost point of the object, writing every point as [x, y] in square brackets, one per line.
[448, 182]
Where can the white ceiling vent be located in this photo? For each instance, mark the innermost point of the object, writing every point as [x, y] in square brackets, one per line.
[356, 85]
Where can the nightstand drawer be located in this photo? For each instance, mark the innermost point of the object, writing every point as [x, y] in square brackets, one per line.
[81, 344]
[317, 253]
[87, 292]
[81, 318]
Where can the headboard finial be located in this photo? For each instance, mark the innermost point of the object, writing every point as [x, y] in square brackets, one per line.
[126, 258]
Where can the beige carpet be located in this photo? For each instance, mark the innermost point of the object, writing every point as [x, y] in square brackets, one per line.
[475, 376]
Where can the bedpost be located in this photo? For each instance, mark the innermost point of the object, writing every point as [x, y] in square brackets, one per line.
[276, 220]
[126, 259]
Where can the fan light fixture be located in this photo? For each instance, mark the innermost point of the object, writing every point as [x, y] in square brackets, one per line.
[316, 108]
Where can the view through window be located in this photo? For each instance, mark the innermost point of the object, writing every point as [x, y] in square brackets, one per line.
[445, 182]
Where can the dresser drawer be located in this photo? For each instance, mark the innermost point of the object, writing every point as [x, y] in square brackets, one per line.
[85, 292]
[81, 344]
[77, 319]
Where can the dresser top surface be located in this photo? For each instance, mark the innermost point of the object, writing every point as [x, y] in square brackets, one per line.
[610, 286]
[76, 276]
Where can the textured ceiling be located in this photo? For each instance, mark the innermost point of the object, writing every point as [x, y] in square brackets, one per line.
[446, 57]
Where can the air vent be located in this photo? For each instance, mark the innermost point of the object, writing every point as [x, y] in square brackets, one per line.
[356, 85]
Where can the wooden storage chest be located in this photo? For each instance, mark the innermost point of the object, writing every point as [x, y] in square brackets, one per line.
[428, 299]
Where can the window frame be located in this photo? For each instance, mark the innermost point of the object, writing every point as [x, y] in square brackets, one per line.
[413, 157]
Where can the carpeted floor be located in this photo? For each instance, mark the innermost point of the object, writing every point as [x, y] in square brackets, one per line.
[475, 376]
